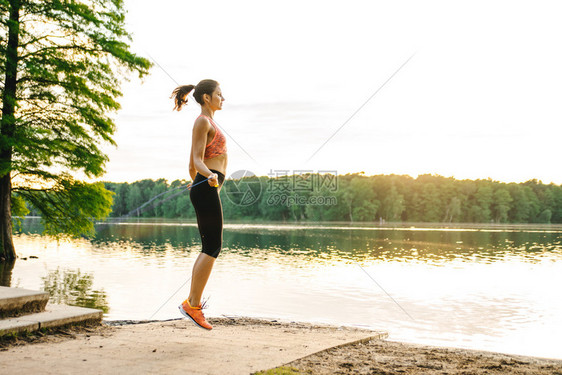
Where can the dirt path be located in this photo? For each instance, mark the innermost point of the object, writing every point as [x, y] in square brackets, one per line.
[244, 346]
[234, 346]
[386, 357]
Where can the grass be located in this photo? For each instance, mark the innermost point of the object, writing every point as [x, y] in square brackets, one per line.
[284, 370]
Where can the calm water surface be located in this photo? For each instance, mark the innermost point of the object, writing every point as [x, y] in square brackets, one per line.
[488, 289]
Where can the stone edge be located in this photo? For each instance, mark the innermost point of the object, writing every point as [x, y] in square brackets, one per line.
[46, 319]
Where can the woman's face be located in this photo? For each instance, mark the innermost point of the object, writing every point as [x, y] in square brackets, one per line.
[216, 99]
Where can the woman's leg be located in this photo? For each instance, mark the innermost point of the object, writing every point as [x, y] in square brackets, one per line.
[201, 271]
[208, 209]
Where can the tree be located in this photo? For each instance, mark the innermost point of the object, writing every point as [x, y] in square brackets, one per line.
[545, 216]
[326, 200]
[120, 200]
[363, 202]
[430, 203]
[557, 204]
[134, 200]
[414, 209]
[483, 198]
[525, 204]
[393, 205]
[273, 204]
[501, 205]
[61, 64]
[453, 210]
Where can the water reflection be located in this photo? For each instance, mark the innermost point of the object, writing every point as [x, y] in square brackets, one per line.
[6, 273]
[318, 245]
[310, 242]
[393, 245]
[486, 289]
[74, 288]
[345, 243]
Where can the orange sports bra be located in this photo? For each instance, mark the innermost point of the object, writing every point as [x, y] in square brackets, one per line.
[218, 143]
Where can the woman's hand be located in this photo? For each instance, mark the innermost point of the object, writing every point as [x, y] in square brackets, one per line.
[214, 180]
[189, 186]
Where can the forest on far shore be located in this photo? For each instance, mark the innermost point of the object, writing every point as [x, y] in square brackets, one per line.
[351, 197]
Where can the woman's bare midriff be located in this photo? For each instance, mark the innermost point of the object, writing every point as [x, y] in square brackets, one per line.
[218, 163]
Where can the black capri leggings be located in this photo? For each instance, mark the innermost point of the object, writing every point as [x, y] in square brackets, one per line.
[208, 208]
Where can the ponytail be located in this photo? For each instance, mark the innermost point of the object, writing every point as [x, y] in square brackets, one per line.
[206, 86]
[180, 96]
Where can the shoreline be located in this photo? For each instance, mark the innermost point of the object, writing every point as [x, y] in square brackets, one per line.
[393, 357]
[288, 322]
[329, 360]
[375, 224]
[304, 347]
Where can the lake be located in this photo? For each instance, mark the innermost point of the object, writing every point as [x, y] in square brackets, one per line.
[491, 288]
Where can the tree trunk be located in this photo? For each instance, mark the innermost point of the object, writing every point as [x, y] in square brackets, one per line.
[6, 273]
[7, 129]
[446, 218]
[7, 246]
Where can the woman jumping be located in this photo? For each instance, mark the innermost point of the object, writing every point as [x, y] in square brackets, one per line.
[207, 161]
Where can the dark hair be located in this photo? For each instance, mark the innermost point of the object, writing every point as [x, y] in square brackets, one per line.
[206, 86]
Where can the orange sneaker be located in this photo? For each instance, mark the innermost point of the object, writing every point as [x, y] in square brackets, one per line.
[195, 314]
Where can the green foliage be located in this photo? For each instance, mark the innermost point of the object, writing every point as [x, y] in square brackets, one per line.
[430, 202]
[74, 288]
[502, 201]
[19, 209]
[316, 212]
[134, 199]
[284, 370]
[545, 216]
[359, 198]
[70, 207]
[483, 198]
[393, 205]
[63, 61]
[453, 210]
[524, 205]
[71, 56]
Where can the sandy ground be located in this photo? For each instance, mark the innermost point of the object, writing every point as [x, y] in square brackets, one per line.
[244, 346]
[387, 357]
[234, 346]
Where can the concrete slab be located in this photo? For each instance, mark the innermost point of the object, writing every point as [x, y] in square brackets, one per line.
[17, 301]
[15, 325]
[178, 346]
[59, 315]
[53, 316]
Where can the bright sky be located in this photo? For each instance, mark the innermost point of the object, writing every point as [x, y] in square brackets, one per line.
[480, 96]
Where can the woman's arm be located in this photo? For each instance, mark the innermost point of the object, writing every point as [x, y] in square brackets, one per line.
[199, 142]
[192, 170]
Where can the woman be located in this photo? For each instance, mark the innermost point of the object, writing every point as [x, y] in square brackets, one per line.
[207, 161]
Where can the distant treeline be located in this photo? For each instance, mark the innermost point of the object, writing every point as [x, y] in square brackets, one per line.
[352, 197]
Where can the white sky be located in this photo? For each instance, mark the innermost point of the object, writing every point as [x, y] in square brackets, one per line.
[481, 97]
